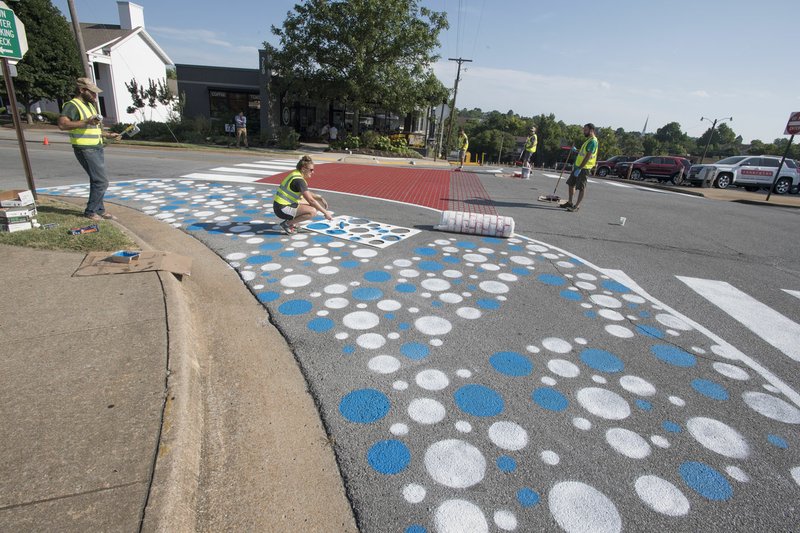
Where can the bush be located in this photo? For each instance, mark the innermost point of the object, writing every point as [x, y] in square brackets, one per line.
[349, 142]
[154, 131]
[50, 117]
[288, 139]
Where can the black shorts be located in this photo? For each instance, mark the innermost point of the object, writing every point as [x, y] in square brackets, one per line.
[579, 181]
[286, 212]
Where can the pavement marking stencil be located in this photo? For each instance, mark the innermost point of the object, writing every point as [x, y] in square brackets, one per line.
[362, 231]
[475, 384]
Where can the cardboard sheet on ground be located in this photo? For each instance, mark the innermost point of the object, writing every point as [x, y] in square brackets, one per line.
[100, 263]
[362, 231]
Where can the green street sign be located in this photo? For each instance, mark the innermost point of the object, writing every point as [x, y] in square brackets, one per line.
[9, 36]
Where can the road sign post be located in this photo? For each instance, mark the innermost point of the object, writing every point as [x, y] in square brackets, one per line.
[792, 128]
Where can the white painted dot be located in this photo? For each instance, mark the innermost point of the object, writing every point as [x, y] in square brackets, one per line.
[408, 273]
[364, 253]
[532, 349]
[342, 335]
[662, 496]
[248, 275]
[452, 274]
[271, 267]
[328, 270]
[508, 436]
[433, 325]
[469, 313]
[578, 507]
[315, 252]
[402, 263]
[659, 441]
[336, 303]
[550, 458]
[610, 314]
[464, 373]
[458, 516]
[585, 285]
[475, 258]
[627, 443]
[604, 403]
[432, 379]
[673, 322]
[435, 284]
[505, 520]
[463, 426]
[599, 379]
[718, 437]
[400, 385]
[399, 429]
[679, 402]
[451, 298]
[581, 423]
[556, 345]
[335, 289]
[371, 341]
[619, 331]
[414, 493]
[384, 364]
[505, 276]
[455, 463]
[521, 260]
[728, 352]
[772, 407]
[581, 341]
[565, 264]
[738, 474]
[638, 386]
[547, 380]
[795, 472]
[238, 256]
[605, 301]
[731, 371]
[563, 368]
[426, 411]
[389, 305]
[361, 320]
[536, 248]
[435, 342]
[493, 287]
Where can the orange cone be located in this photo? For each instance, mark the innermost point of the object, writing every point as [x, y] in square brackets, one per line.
[46, 142]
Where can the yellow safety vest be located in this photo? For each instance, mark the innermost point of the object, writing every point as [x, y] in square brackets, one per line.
[530, 144]
[285, 195]
[463, 142]
[90, 135]
[582, 155]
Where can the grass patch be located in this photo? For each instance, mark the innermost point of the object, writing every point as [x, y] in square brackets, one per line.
[66, 216]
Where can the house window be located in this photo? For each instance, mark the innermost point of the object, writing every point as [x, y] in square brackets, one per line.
[96, 69]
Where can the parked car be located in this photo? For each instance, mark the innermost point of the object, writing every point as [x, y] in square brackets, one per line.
[750, 172]
[661, 167]
[607, 167]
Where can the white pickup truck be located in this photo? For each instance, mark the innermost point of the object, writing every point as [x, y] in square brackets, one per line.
[750, 172]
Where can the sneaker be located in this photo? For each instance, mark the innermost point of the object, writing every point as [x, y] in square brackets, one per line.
[94, 216]
[108, 216]
[301, 229]
[287, 228]
[566, 205]
[573, 208]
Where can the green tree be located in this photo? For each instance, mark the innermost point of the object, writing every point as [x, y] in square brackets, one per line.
[49, 68]
[723, 142]
[359, 52]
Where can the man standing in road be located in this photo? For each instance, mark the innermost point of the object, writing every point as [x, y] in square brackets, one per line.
[529, 151]
[463, 146]
[241, 129]
[584, 163]
[79, 116]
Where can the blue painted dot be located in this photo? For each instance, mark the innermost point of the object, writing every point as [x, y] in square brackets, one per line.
[364, 406]
[389, 316]
[573, 296]
[671, 427]
[269, 296]
[590, 314]
[405, 287]
[348, 349]
[295, 307]
[467, 245]
[318, 225]
[550, 399]
[527, 497]
[615, 286]
[430, 266]
[551, 279]
[414, 350]
[492, 240]
[511, 364]
[258, 259]
[367, 294]
[426, 252]
[602, 361]
[437, 304]
[348, 264]
[515, 248]
[488, 304]
[777, 441]
[451, 260]
[644, 314]
[403, 326]
[710, 389]
[506, 463]
[322, 239]
[478, 400]
[650, 331]
[267, 246]
[320, 325]
[377, 276]
[644, 405]
[520, 271]
[673, 356]
[416, 528]
[706, 481]
[389, 457]
[288, 253]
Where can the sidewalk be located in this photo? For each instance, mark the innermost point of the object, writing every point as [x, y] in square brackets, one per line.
[139, 401]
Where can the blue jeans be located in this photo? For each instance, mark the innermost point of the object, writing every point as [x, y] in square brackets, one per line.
[93, 162]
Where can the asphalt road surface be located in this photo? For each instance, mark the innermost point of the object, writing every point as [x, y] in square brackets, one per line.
[582, 375]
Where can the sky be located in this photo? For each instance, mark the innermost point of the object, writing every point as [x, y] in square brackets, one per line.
[614, 63]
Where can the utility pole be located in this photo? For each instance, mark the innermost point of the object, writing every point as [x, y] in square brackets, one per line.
[76, 27]
[455, 94]
[710, 135]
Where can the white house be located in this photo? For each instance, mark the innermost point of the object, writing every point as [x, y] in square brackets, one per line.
[121, 53]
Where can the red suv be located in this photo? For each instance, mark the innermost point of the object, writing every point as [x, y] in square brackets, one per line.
[608, 166]
[660, 167]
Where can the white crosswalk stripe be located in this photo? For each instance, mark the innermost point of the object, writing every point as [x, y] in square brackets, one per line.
[222, 177]
[770, 325]
[796, 294]
[246, 172]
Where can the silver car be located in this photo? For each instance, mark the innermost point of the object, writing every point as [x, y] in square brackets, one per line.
[750, 172]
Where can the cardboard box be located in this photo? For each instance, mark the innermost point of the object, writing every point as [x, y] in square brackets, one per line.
[16, 198]
[7, 213]
[20, 226]
[98, 263]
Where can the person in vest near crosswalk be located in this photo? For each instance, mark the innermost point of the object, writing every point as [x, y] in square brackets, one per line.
[529, 151]
[584, 163]
[288, 201]
[80, 117]
[463, 146]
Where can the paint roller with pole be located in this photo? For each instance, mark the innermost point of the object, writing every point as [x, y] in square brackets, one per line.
[554, 198]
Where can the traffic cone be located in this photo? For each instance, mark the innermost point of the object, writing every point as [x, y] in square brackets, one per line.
[46, 142]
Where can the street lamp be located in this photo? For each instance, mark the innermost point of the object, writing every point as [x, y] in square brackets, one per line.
[710, 135]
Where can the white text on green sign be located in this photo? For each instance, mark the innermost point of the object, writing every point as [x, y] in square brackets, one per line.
[9, 40]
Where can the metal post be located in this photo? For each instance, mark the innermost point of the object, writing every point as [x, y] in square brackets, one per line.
[23, 149]
[778, 173]
[76, 27]
[455, 94]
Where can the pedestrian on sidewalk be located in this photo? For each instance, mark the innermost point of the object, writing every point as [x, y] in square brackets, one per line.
[241, 129]
[463, 146]
[584, 163]
[79, 116]
[288, 202]
[333, 133]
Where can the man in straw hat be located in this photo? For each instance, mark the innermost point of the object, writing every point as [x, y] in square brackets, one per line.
[529, 151]
[79, 116]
